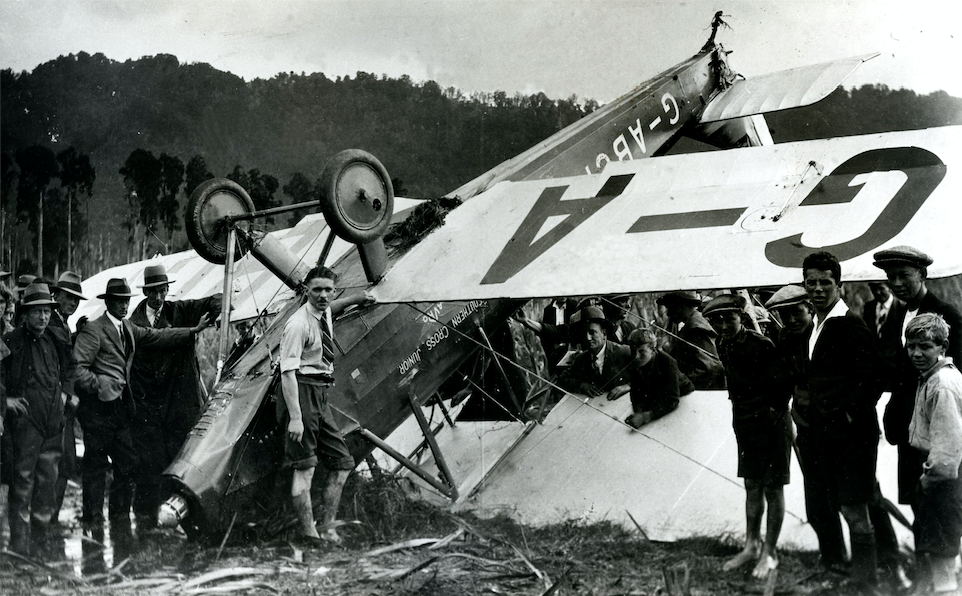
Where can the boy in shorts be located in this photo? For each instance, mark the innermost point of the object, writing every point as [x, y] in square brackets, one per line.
[936, 431]
[759, 389]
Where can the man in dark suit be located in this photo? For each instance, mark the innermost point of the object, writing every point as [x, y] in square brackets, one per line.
[68, 294]
[104, 350]
[38, 377]
[906, 270]
[879, 315]
[843, 387]
[604, 365]
[166, 387]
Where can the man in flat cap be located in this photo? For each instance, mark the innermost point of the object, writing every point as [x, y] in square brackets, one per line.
[906, 270]
[759, 389]
[68, 294]
[104, 350]
[166, 386]
[603, 366]
[39, 375]
[693, 342]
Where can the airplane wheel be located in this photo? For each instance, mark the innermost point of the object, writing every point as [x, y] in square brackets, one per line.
[356, 196]
[210, 202]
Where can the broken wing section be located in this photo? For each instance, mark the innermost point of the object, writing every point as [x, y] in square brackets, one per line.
[781, 90]
[737, 218]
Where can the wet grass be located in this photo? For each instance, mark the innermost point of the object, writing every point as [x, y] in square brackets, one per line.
[403, 545]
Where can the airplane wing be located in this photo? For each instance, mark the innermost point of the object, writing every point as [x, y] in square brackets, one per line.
[736, 218]
[781, 90]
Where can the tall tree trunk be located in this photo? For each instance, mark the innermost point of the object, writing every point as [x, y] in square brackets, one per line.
[40, 238]
[69, 230]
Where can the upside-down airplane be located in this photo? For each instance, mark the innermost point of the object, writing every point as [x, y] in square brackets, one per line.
[584, 212]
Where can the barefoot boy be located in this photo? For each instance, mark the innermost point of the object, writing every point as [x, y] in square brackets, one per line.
[936, 431]
[759, 390]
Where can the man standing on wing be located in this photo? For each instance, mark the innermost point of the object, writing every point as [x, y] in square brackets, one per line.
[307, 374]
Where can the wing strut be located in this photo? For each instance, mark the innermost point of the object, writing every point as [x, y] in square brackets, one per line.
[446, 484]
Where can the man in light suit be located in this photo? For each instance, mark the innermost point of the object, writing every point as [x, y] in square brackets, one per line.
[104, 350]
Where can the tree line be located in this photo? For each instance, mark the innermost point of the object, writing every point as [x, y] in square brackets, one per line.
[99, 156]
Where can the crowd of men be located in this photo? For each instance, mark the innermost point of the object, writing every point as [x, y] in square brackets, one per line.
[812, 387]
[133, 384]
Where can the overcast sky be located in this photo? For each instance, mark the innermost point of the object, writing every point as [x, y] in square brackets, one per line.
[562, 47]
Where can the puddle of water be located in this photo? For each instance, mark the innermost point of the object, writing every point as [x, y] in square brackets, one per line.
[71, 550]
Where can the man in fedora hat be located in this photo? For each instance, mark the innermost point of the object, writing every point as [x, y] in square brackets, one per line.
[906, 269]
[39, 373]
[68, 294]
[104, 349]
[166, 386]
[603, 365]
[693, 342]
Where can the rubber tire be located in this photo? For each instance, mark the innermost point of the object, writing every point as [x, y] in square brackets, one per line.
[205, 235]
[358, 225]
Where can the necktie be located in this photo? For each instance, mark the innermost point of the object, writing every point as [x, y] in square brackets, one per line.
[327, 341]
[123, 337]
[880, 319]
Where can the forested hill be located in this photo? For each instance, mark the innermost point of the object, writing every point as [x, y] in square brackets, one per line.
[168, 125]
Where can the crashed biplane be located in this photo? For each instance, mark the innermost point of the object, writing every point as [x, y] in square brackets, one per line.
[580, 213]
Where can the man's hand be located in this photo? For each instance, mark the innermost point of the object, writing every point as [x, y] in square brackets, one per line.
[205, 321]
[618, 392]
[295, 429]
[638, 419]
[365, 298]
[17, 405]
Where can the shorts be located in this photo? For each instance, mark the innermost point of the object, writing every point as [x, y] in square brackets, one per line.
[764, 448]
[322, 440]
[938, 518]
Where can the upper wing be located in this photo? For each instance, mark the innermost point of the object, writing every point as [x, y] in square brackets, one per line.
[736, 218]
[781, 90]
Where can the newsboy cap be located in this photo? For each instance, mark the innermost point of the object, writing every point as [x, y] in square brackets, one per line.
[901, 255]
[724, 303]
[787, 296]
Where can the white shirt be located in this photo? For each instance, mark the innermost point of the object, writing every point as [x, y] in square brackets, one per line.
[909, 315]
[600, 359]
[838, 310]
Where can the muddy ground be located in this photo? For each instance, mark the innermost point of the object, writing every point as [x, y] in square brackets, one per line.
[400, 545]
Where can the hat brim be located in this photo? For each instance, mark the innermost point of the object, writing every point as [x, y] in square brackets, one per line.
[155, 284]
[112, 295]
[38, 303]
[71, 292]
